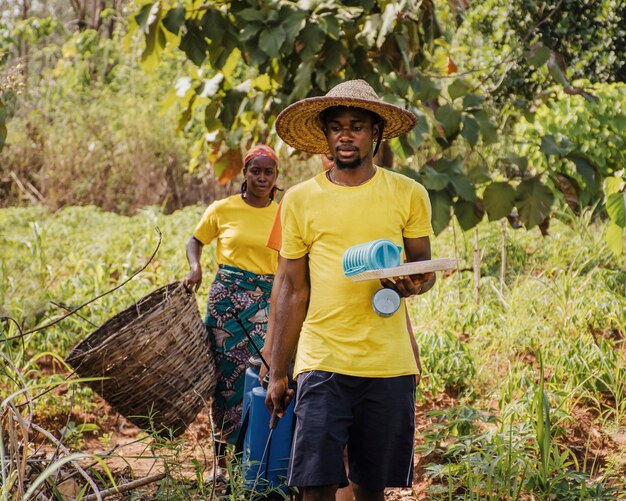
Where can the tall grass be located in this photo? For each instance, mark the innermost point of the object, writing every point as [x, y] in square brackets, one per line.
[534, 372]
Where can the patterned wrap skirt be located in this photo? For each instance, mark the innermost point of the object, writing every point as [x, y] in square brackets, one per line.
[238, 303]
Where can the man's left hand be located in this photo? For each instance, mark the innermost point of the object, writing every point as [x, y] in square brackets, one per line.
[410, 285]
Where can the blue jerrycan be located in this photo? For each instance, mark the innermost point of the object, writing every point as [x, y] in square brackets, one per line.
[251, 380]
[372, 255]
[265, 459]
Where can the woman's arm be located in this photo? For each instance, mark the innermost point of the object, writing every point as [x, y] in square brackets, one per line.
[193, 279]
[271, 323]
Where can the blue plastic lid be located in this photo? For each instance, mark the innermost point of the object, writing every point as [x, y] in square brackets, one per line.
[386, 302]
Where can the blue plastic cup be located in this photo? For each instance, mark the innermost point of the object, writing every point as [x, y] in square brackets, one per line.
[372, 255]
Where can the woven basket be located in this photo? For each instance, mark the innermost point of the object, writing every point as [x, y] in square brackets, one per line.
[156, 359]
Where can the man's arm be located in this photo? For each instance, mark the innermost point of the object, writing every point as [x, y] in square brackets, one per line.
[289, 313]
[416, 249]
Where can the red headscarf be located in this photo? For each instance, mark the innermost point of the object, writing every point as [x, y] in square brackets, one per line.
[260, 150]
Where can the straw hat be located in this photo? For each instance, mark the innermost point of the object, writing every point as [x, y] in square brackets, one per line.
[299, 125]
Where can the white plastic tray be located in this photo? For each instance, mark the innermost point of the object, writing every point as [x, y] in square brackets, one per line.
[412, 268]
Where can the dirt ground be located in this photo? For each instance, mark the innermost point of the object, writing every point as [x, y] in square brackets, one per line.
[130, 454]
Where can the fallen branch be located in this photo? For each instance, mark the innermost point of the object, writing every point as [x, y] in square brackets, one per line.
[126, 487]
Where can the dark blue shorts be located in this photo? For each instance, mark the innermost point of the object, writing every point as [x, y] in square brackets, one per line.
[374, 417]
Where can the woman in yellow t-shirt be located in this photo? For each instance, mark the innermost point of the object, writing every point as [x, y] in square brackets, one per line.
[238, 304]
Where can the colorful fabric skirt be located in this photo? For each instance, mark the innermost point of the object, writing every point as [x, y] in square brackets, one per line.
[238, 303]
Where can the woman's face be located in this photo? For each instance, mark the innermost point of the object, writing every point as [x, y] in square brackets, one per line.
[261, 173]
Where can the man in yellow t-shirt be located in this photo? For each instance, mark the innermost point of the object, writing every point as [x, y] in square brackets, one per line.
[356, 370]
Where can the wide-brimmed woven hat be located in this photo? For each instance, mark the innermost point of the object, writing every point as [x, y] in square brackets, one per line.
[299, 124]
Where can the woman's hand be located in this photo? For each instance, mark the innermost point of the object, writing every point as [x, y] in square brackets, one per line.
[193, 279]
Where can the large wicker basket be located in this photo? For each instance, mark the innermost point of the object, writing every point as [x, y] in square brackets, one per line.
[159, 371]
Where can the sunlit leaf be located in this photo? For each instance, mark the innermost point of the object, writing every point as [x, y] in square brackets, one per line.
[616, 208]
[499, 200]
[388, 22]
[615, 237]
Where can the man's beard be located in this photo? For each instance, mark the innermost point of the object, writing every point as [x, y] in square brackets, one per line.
[352, 164]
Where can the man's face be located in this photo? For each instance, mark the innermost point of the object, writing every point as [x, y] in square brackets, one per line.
[350, 134]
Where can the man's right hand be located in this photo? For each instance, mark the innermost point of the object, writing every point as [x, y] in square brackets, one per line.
[278, 395]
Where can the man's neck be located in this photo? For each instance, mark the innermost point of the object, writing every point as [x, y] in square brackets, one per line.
[353, 177]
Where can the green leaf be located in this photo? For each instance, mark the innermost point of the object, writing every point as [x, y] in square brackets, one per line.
[538, 56]
[463, 188]
[230, 107]
[472, 102]
[534, 200]
[271, 40]
[329, 25]
[214, 26]
[487, 127]
[389, 21]
[440, 202]
[449, 118]
[251, 15]
[467, 214]
[211, 122]
[302, 80]
[424, 88]
[458, 88]
[616, 208]
[155, 42]
[312, 38]
[549, 146]
[615, 237]
[250, 31]
[434, 180]
[174, 19]
[143, 16]
[471, 129]
[293, 24]
[450, 166]
[193, 43]
[585, 169]
[499, 200]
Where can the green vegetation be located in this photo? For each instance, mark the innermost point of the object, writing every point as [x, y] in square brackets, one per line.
[525, 387]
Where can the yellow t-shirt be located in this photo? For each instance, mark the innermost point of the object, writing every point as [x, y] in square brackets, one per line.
[241, 231]
[341, 332]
